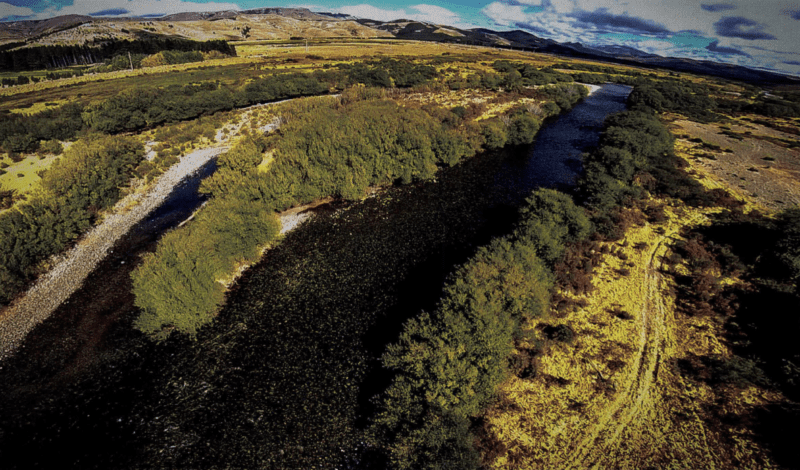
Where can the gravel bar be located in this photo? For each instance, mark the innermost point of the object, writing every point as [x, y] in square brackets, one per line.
[72, 268]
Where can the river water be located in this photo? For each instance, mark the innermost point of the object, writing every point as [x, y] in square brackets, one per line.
[285, 376]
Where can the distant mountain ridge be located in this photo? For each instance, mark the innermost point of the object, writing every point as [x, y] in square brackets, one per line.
[518, 39]
[34, 30]
[229, 25]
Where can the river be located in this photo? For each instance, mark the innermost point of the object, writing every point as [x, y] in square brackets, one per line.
[284, 377]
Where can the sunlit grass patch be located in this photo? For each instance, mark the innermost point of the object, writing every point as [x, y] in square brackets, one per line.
[541, 420]
[38, 107]
[21, 176]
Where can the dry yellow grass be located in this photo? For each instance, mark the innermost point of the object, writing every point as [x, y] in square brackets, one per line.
[39, 107]
[261, 27]
[755, 169]
[27, 168]
[332, 52]
[612, 398]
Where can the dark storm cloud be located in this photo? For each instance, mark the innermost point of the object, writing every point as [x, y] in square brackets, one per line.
[717, 7]
[716, 48]
[740, 27]
[629, 24]
[110, 12]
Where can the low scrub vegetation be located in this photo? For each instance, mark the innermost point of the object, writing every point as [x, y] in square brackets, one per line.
[449, 363]
[86, 179]
[317, 154]
[634, 158]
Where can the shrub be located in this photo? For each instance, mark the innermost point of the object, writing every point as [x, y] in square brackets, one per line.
[51, 146]
[561, 333]
[85, 178]
[550, 220]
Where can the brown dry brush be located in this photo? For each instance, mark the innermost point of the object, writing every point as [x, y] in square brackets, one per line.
[700, 292]
[575, 270]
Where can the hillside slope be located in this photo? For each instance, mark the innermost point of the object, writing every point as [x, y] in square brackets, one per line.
[259, 24]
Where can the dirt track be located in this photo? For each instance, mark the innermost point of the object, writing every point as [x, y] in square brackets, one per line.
[603, 437]
[638, 428]
[69, 272]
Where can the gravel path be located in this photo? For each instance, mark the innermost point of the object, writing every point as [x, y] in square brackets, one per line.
[72, 268]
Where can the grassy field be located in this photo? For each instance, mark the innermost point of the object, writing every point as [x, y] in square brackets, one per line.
[255, 58]
[21, 176]
[38, 107]
[612, 398]
[758, 164]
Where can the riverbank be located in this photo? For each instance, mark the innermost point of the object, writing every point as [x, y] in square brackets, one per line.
[592, 88]
[72, 268]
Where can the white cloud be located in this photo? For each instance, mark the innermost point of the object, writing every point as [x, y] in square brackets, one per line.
[545, 23]
[424, 12]
[558, 20]
[503, 14]
[372, 13]
[437, 14]
[6, 10]
[134, 7]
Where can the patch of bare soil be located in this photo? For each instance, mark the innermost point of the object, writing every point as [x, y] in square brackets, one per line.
[753, 161]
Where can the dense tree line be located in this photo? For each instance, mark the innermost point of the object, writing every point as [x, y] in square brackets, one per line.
[564, 95]
[25, 79]
[510, 76]
[285, 86]
[520, 125]
[449, 363]
[770, 106]
[634, 158]
[599, 68]
[694, 101]
[87, 178]
[59, 56]
[139, 108]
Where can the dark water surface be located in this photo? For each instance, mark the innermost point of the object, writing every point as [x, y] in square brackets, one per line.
[284, 376]
[554, 159]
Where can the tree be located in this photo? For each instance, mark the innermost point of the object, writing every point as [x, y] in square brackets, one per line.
[550, 220]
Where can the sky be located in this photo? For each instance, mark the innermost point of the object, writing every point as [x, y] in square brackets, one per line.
[756, 33]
